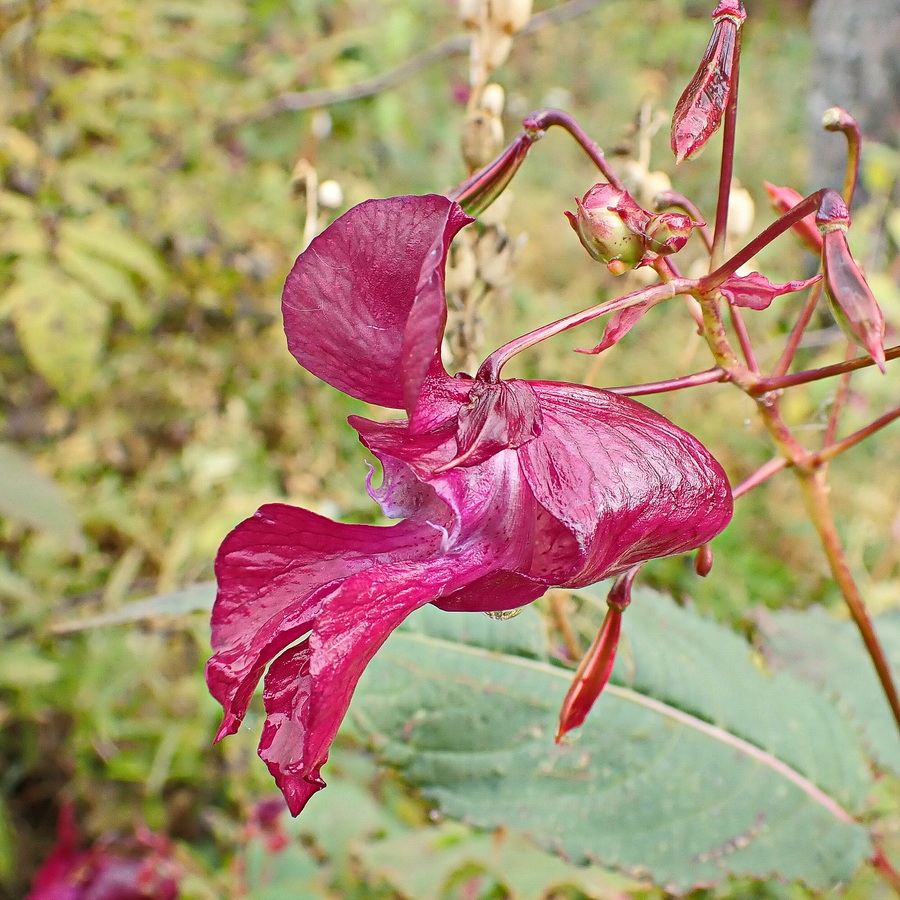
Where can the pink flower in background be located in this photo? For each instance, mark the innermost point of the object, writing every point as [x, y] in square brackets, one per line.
[504, 489]
[140, 869]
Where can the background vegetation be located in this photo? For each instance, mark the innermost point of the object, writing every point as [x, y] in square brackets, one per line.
[149, 211]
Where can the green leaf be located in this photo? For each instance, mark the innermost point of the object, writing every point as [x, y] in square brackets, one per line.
[696, 764]
[60, 325]
[107, 240]
[196, 598]
[829, 653]
[423, 863]
[30, 497]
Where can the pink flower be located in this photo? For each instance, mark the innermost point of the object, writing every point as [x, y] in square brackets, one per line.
[142, 870]
[505, 489]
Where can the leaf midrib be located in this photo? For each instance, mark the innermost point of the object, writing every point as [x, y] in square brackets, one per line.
[715, 732]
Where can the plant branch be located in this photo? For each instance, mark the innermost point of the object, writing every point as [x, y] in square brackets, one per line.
[835, 449]
[764, 385]
[763, 473]
[457, 45]
[815, 492]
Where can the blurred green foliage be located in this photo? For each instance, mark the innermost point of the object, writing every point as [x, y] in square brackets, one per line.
[147, 219]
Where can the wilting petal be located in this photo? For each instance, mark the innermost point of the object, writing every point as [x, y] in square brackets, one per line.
[755, 291]
[275, 571]
[699, 111]
[364, 305]
[308, 688]
[627, 483]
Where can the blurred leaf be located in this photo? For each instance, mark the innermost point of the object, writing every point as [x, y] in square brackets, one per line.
[24, 667]
[333, 832]
[695, 765]
[423, 863]
[107, 280]
[196, 598]
[30, 497]
[60, 325]
[103, 238]
[290, 872]
[829, 653]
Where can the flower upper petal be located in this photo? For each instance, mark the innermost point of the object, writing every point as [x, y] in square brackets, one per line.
[364, 304]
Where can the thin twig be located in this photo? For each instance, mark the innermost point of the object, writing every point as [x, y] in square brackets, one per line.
[456, 45]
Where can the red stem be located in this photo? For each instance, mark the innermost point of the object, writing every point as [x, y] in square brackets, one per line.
[538, 122]
[726, 171]
[763, 473]
[764, 385]
[793, 342]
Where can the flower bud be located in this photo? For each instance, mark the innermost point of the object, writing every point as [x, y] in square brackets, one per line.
[699, 111]
[510, 15]
[785, 199]
[597, 665]
[610, 226]
[852, 303]
[667, 233]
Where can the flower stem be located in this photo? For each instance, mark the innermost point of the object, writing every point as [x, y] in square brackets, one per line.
[840, 397]
[766, 236]
[763, 473]
[726, 172]
[793, 342]
[764, 385]
[835, 449]
[815, 493]
[490, 368]
[709, 376]
[538, 122]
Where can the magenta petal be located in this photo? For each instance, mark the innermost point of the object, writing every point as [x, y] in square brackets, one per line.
[274, 571]
[755, 291]
[308, 688]
[627, 483]
[365, 301]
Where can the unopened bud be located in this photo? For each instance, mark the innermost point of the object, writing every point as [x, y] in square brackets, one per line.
[851, 301]
[596, 667]
[482, 138]
[700, 108]
[785, 199]
[667, 233]
[741, 210]
[492, 99]
[610, 226]
[331, 194]
[509, 15]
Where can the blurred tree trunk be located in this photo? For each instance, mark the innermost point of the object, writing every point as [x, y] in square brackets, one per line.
[856, 65]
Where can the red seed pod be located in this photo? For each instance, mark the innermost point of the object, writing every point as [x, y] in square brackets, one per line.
[699, 111]
[851, 300]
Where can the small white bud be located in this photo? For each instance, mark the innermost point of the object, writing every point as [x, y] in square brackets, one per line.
[331, 194]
